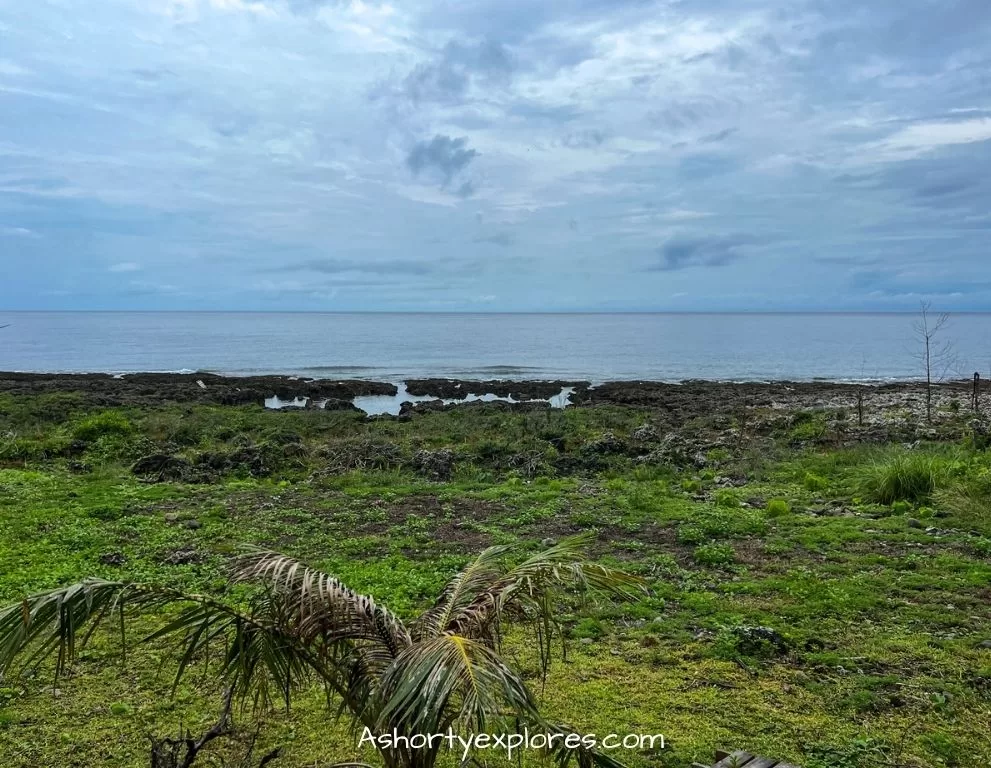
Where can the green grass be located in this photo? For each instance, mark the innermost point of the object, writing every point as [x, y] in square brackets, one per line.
[714, 554]
[904, 476]
[883, 619]
[102, 424]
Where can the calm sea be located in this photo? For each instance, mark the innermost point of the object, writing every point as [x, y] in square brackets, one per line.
[480, 346]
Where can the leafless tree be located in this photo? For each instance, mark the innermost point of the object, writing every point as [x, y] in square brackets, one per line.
[936, 354]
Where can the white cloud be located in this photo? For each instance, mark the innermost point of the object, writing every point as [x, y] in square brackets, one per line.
[11, 69]
[920, 138]
[18, 232]
[243, 131]
[679, 214]
[189, 10]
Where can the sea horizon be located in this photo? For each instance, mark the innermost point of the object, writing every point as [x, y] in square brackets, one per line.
[724, 346]
[823, 312]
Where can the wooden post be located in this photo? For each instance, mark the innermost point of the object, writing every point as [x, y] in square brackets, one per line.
[977, 391]
[860, 407]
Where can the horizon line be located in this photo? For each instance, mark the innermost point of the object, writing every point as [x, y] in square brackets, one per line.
[490, 312]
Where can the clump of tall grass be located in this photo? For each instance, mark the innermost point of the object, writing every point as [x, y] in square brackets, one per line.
[103, 424]
[968, 501]
[907, 476]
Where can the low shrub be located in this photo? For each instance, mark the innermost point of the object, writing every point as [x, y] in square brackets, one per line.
[714, 554]
[726, 498]
[691, 486]
[778, 508]
[968, 500]
[901, 508]
[815, 483]
[588, 627]
[808, 426]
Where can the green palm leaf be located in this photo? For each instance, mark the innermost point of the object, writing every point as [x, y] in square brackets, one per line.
[450, 679]
[315, 605]
[303, 625]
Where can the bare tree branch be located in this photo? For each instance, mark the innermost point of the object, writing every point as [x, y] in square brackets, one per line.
[936, 355]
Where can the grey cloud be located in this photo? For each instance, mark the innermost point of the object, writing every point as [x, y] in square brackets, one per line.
[683, 115]
[504, 239]
[952, 180]
[714, 138]
[467, 189]
[550, 53]
[516, 20]
[536, 112]
[846, 261]
[945, 188]
[702, 251]
[377, 267]
[448, 78]
[917, 32]
[150, 75]
[893, 282]
[252, 162]
[705, 165]
[584, 139]
[442, 155]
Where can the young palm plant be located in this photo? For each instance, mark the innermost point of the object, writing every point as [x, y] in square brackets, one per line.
[442, 671]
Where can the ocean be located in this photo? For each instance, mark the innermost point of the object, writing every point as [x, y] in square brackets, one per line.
[394, 347]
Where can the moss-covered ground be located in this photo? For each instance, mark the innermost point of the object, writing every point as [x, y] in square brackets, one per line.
[811, 598]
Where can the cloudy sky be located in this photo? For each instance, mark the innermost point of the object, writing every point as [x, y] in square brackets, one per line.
[492, 155]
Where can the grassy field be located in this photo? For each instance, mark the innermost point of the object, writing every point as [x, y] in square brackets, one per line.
[811, 598]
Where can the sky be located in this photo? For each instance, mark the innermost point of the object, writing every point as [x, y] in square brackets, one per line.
[495, 155]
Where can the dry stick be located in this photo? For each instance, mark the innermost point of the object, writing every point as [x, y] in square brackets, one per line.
[162, 759]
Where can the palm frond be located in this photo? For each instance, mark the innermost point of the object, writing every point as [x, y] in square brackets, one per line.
[52, 621]
[584, 756]
[566, 564]
[305, 624]
[60, 622]
[450, 679]
[314, 605]
[460, 592]
[534, 582]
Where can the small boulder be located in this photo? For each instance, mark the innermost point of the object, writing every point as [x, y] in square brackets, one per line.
[182, 556]
[335, 404]
[644, 434]
[113, 558]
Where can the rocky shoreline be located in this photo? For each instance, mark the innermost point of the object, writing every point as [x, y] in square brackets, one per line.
[674, 403]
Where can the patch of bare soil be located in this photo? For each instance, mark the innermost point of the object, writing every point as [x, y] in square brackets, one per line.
[619, 541]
